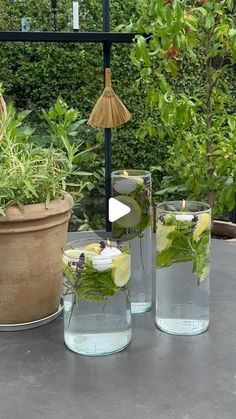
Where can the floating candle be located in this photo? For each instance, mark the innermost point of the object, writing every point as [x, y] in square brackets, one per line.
[104, 260]
[100, 263]
[110, 252]
[128, 184]
[184, 217]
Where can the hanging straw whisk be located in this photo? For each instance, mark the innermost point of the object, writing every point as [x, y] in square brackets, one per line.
[109, 111]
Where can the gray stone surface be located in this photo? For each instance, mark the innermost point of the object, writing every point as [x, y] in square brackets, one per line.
[158, 377]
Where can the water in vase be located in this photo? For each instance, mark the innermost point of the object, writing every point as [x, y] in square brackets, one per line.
[97, 307]
[97, 328]
[133, 188]
[182, 306]
[183, 267]
[141, 272]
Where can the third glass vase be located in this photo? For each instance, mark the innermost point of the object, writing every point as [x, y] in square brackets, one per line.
[134, 189]
[183, 262]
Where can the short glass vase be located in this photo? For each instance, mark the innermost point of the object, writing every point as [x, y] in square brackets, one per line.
[97, 306]
[183, 235]
[134, 189]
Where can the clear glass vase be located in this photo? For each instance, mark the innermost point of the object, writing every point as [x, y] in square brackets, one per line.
[183, 266]
[97, 307]
[134, 189]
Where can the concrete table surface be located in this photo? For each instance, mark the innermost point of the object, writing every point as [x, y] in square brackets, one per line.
[158, 377]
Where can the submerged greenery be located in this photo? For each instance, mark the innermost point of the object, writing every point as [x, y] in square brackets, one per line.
[94, 278]
[181, 242]
[89, 285]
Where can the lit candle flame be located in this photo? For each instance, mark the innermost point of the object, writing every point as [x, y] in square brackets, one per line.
[183, 208]
[125, 173]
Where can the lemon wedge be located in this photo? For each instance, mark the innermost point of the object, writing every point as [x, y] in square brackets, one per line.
[93, 247]
[163, 243]
[121, 271]
[72, 256]
[202, 224]
[134, 217]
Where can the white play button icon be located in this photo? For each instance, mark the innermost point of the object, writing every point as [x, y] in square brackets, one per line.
[117, 210]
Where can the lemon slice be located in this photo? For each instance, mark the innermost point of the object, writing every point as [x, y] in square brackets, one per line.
[121, 271]
[134, 217]
[202, 224]
[163, 243]
[72, 255]
[93, 247]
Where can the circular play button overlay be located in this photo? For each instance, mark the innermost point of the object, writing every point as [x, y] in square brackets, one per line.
[133, 217]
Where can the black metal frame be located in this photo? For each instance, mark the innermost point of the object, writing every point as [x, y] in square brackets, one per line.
[233, 216]
[93, 37]
[107, 38]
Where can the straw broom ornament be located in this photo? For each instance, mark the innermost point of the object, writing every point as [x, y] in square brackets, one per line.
[3, 113]
[109, 111]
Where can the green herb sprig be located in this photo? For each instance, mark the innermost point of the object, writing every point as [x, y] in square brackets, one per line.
[185, 249]
[90, 285]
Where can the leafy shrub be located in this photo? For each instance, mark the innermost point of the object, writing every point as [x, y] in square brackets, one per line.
[31, 174]
[200, 119]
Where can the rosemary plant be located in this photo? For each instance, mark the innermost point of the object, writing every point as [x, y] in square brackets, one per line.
[30, 173]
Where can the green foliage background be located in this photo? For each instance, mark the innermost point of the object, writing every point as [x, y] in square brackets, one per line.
[34, 75]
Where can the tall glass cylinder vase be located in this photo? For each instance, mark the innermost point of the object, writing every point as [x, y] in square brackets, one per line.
[134, 189]
[97, 307]
[183, 267]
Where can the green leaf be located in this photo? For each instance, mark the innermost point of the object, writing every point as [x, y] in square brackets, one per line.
[202, 10]
[232, 122]
[209, 21]
[171, 68]
[165, 258]
[141, 45]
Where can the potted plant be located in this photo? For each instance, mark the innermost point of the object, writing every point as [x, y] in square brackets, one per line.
[34, 213]
[199, 120]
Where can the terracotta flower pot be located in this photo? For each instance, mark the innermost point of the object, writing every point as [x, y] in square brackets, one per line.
[31, 244]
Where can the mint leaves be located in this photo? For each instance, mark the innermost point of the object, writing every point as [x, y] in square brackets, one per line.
[184, 249]
[90, 285]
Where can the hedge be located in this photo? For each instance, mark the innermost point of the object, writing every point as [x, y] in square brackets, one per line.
[34, 75]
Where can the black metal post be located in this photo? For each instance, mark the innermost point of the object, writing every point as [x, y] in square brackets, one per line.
[54, 12]
[107, 132]
[234, 213]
